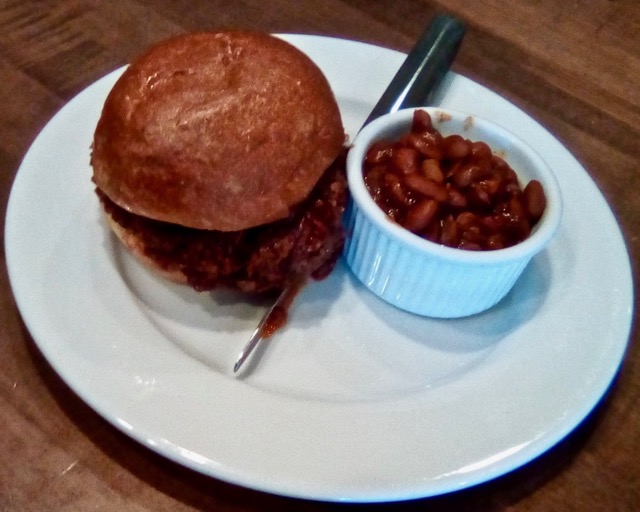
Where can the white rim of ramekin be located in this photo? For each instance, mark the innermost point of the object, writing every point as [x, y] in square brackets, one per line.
[541, 234]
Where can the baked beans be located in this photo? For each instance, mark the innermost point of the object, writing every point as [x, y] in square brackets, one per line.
[451, 190]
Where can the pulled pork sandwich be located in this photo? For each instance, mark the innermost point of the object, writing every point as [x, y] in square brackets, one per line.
[219, 161]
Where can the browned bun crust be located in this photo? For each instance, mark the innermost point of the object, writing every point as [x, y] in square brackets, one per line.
[220, 131]
[135, 246]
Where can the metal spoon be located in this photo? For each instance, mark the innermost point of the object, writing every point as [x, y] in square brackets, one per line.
[413, 85]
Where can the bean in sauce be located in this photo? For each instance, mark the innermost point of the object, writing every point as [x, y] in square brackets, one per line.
[450, 190]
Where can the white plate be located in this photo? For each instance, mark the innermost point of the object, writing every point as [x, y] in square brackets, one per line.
[354, 400]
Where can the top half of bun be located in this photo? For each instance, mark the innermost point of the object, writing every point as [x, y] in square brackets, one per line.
[223, 130]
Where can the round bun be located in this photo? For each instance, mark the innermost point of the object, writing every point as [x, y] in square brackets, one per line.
[221, 131]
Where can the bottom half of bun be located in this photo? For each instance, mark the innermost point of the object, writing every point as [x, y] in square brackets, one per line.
[258, 260]
[133, 242]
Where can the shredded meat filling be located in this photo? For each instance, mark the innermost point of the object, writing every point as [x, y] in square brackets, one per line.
[262, 259]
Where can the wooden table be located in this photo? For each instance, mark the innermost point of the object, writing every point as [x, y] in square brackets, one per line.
[573, 66]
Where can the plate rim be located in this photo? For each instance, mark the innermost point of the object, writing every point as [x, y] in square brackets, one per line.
[234, 476]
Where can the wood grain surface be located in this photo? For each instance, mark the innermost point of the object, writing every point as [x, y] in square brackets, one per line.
[572, 65]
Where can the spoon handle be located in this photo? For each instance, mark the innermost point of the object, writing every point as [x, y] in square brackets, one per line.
[413, 85]
[422, 72]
